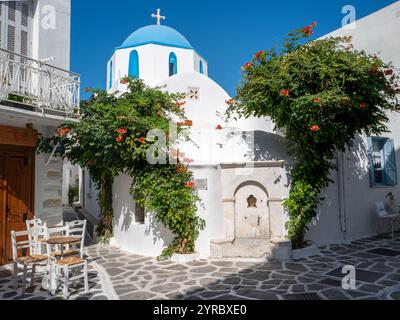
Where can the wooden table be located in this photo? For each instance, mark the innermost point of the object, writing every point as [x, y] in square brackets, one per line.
[63, 241]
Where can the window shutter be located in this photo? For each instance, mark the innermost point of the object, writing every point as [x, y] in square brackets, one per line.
[390, 163]
[370, 163]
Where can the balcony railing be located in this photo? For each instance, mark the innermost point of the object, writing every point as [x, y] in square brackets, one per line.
[39, 85]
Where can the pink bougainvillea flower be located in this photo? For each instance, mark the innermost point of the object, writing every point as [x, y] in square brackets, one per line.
[119, 139]
[315, 128]
[122, 131]
[218, 127]
[363, 105]
[123, 81]
[284, 93]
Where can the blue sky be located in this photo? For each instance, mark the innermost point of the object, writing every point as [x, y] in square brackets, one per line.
[226, 32]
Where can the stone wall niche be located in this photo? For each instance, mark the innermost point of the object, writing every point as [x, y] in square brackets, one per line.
[251, 212]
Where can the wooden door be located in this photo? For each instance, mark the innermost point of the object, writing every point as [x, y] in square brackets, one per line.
[17, 193]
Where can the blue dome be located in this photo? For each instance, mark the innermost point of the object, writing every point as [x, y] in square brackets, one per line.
[156, 34]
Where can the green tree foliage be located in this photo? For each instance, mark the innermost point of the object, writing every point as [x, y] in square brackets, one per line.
[111, 138]
[322, 94]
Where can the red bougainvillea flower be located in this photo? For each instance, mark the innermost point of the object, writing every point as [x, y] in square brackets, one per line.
[308, 31]
[142, 140]
[119, 139]
[87, 90]
[159, 114]
[363, 105]
[180, 103]
[388, 72]
[187, 123]
[284, 93]
[316, 100]
[230, 102]
[259, 55]
[190, 184]
[63, 131]
[122, 131]
[181, 169]
[315, 128]
[123, 81]
[247, 66]
[218, 127]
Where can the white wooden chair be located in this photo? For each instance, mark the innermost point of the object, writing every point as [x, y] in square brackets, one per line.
[37, 233]
[60, 274]
[385, 217]
[55, 232]
[78, 229]
[31, 260]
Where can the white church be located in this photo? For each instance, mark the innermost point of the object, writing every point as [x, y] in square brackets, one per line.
[242, 171]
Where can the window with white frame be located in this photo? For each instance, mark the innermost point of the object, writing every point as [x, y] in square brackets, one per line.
[16, 26]
[382, 162]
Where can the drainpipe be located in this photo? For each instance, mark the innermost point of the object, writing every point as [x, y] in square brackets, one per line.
[341, 193]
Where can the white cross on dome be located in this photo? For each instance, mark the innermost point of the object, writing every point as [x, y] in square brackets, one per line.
[158, 17]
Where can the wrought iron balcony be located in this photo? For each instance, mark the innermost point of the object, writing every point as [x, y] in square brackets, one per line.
[37, 85]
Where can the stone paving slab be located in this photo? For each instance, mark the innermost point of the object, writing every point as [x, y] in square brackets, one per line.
[116, 274]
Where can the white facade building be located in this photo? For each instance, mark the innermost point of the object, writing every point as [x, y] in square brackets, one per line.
[37, 94]
[242, 172]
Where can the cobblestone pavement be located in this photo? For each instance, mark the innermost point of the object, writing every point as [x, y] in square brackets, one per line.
[116, 274]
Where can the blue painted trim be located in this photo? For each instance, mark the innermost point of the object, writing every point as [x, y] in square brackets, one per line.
[161, 44]
[110, 78]
[201, 67]
[133, 70]
[155, 42]
[174, 60]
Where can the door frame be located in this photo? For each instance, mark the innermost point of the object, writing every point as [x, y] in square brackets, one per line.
[30, 153]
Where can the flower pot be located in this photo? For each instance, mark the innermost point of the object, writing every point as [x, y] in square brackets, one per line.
[182, 258]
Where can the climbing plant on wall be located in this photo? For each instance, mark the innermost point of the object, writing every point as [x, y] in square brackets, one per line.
[112, 138]
[322, 94]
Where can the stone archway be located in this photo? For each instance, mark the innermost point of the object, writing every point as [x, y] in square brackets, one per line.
[251, 212]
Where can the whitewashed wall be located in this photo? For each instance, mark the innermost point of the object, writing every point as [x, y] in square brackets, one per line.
[378, 34]
[153, 64]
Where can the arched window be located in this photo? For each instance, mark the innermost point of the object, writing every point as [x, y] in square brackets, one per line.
[133, 64]
[173, 64]
[110, 77]
[201, 67]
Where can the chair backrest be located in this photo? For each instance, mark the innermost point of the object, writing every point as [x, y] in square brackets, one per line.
[78, 229]
[56, 231]
[16, 244]
[33, 225]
